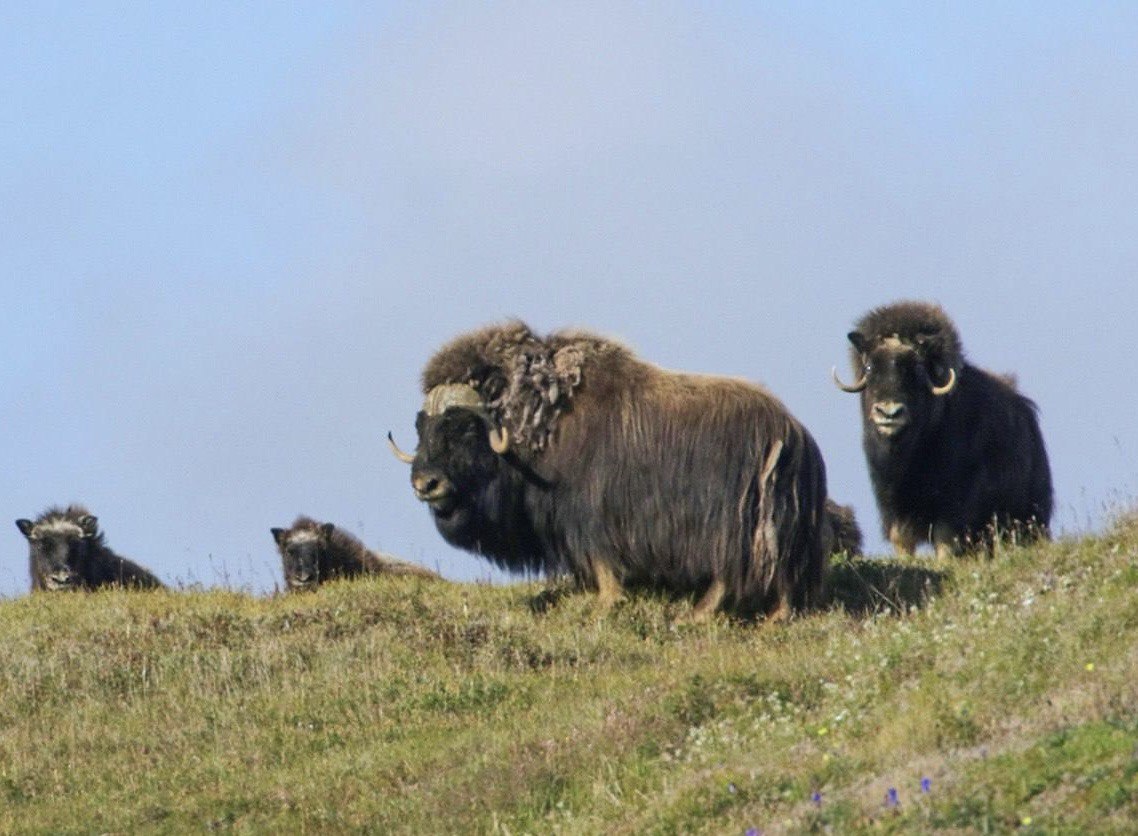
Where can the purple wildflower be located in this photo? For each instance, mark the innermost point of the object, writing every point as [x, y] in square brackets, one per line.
[891, 799]
[926, 784]
[816, 798]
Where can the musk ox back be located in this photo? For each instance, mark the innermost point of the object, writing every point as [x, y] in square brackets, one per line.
[569, 455]
[314, 552]
[66, 551]
[955, 453]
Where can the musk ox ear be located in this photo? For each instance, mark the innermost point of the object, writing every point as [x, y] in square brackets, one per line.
[278, 535]
[326, 530]
[859, 341]
[25, 527]
[90, 525]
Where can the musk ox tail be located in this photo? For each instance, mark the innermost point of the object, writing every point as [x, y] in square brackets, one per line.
[842, 531]
[788, 556]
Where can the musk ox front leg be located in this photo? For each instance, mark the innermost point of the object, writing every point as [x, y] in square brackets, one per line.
[609, 589]
[946, 540]
[904, 538]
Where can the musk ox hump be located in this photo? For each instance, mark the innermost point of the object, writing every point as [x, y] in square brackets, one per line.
[525, 382]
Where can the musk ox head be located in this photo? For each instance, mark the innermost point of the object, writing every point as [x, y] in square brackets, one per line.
[302, 550]
[60, 543]
[459, 457]
[908, 359]
[495, 399]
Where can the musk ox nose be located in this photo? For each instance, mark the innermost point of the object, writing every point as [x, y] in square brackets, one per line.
[430, 486]
[888, 410]
[60, 580]
[889, 417]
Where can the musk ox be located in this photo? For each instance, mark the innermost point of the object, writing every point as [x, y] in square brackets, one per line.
[841, 531]
[315, 552]
[567, 454]
[66, 551]
[955, 453]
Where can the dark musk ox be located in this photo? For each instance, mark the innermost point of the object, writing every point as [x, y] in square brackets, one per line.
[841, 530]
[567, 454]
[315, 552]
[955, 453]
[66, 551]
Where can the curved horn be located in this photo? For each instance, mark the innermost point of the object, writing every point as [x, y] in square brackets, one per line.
[452, 394]
[947, 387]
[406, 458]
[500, 440]
[845, 387]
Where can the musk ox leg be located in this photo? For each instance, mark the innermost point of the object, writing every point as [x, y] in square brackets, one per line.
[609, 590]
[707, 606]
[781, 610]
[945, 541]
[904, 538]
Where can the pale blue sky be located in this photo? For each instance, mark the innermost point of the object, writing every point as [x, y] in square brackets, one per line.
[231, 236]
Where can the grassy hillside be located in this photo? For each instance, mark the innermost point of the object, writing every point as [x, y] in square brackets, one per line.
[974, 695]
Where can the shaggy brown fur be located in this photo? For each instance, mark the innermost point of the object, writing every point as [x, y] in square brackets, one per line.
[621, 473]
[956, 468]
[526, 383]
[66, 551]
[313, 553]
[916, 324]
[844, 534]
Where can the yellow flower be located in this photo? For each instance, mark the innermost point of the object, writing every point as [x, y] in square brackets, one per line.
[1090, 666]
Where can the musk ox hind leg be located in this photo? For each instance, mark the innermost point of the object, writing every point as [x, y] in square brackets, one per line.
[781, 609]
[787, 566]
[708, 605]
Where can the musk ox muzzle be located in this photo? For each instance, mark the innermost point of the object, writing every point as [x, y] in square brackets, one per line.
[889, 417]
[434, 488]
[59, 581]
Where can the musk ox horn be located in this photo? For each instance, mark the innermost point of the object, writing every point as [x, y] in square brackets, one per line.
[846, 387]
[406, 458]
[447, 395]
[948, 386]
[500, 440]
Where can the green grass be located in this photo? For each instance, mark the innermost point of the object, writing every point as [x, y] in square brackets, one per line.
[392, 705]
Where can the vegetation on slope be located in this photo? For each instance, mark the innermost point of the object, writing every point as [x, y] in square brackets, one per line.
[973, 694]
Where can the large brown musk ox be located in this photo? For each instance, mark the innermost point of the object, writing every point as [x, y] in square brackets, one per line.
[314, 552]
[66, 551]
[567, 454]
[955, 453]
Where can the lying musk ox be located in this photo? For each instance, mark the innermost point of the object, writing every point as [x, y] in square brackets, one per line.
[955, 453]
[314, 552]
[569, 454]
[66, 551]
[840, 530]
